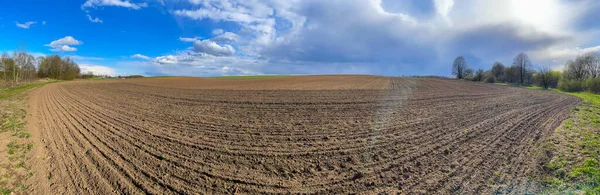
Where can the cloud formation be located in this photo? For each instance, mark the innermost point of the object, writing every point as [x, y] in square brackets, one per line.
[140, 56]
[189, 39]
[227, 37]
[117, 3]
[212, 48]
[170, 59]
[64, 44]
[64, 48]
[26, 25]
[418, 37]
[114, 3]
[97, 69]
[94, 20]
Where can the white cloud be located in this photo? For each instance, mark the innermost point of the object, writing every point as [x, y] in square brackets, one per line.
[380, 38]
[226, 37]
[191, 63]
[195, 2]
[444, 7]
[118, 3]
[97, 70]
[44, 22]
[76, 57]
[189, 39]
[94, 20]
[212, 48]
[140, 56]
[170, 59]
[68, 40]
[256, 17]
[217, 31]
[25, 25]
[64, 48]
[559, 54]
[63, 44]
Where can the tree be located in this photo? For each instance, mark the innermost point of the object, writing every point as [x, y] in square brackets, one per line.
[479, 75]
[468, 73]
[575, 70]
[26, 66]
[543, 78]
[498, 71]
[9, 68]
[57, 68]
[3, 67]
[511, 74]
[590, 62]
[522, 62]
[459, 67]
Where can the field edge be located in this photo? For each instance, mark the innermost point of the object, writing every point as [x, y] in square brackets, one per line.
[571, 155]
[19, 170]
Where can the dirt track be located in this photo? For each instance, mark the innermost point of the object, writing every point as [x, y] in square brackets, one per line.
[292, 134]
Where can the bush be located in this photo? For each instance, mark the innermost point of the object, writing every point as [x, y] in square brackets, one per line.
[571, 85]
[593, 85]
[490, 79]
[88, 75]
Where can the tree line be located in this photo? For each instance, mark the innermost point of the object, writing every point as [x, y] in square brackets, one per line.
[22, 67]
[581, 74]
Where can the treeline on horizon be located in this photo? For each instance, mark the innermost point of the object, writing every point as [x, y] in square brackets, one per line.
[580, 74]
[22, 67]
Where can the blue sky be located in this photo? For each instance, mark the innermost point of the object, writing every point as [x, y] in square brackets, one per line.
[230, 37]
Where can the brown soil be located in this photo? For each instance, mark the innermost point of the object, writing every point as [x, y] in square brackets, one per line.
[306, 134]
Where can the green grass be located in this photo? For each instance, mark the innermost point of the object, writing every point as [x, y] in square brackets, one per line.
[13, 121]
[5, 191]
[533, 87]
[576, 168]
[7, 93]
[250, 77]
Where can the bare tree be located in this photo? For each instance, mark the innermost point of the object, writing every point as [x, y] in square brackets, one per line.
[3, 60]
[498, 71]
[543, 77]
[522, 62]
[591, 63]
[459, 67]
[575, 69]
[25, 66]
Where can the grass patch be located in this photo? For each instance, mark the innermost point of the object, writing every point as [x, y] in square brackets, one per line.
[574, 166]
[533, 87]
[12, 122]
[6, 93]
[5, 191]
[24, 134]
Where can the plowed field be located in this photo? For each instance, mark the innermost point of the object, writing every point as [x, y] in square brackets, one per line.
[300, 134]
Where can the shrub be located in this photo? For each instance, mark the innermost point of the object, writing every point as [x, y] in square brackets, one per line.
[593, 85]
[490, 79]
[571, 85]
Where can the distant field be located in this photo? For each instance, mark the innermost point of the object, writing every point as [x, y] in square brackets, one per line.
[250, 77]
[296, 134]
[269, 83]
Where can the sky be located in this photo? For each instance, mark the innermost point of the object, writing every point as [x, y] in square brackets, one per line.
[250, 37]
